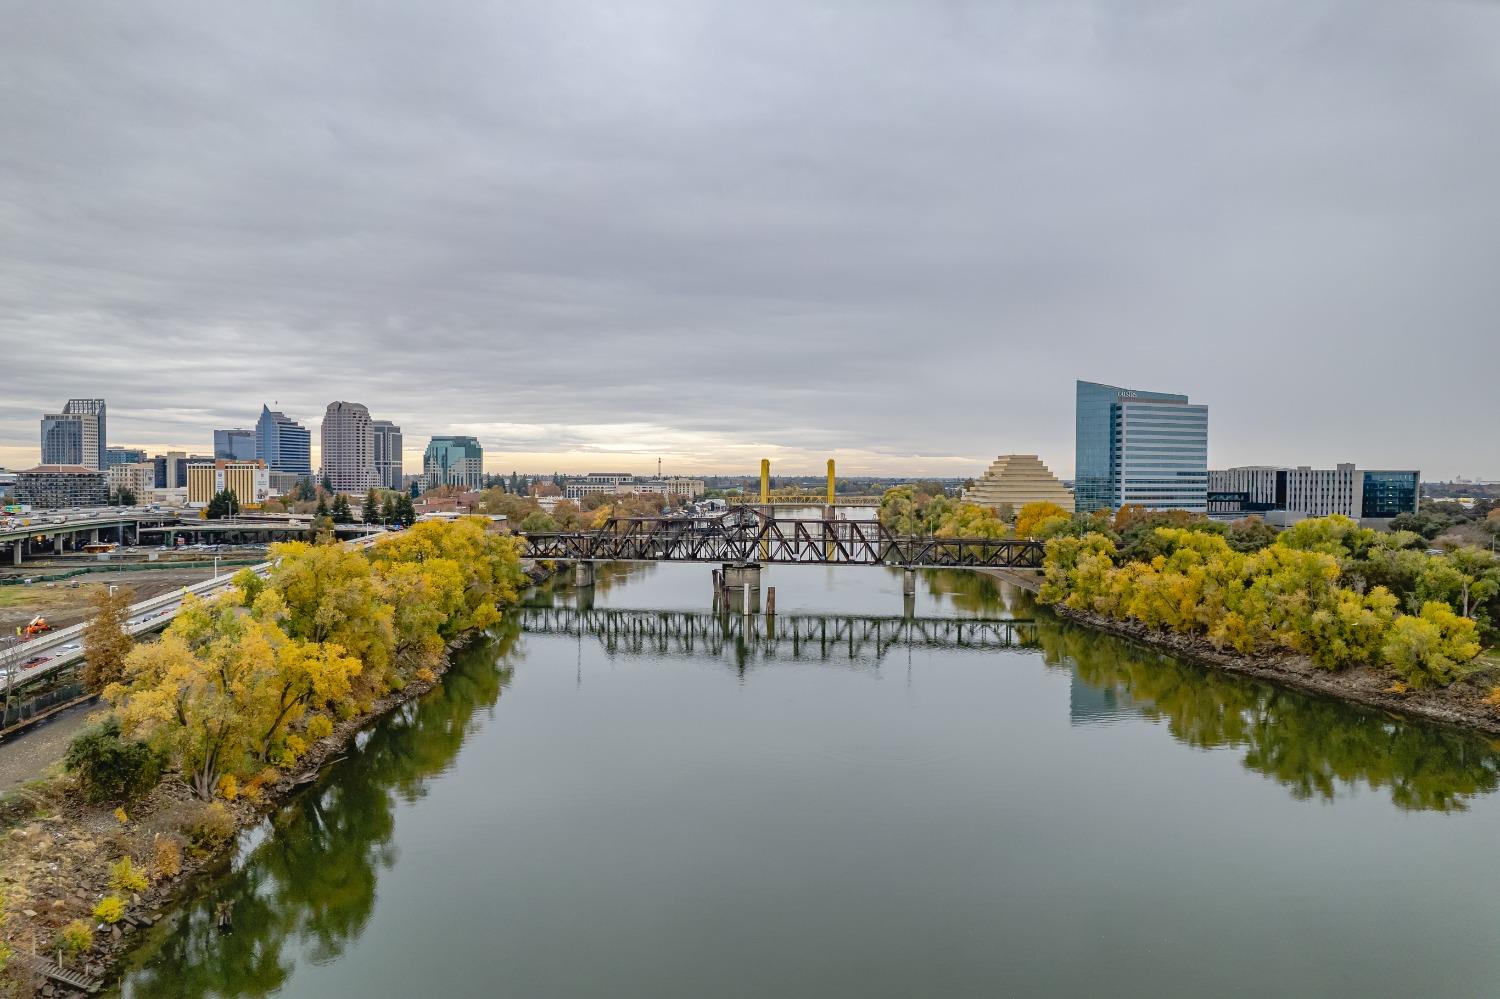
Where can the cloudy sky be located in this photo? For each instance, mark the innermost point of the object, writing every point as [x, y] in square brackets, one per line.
[894, 233]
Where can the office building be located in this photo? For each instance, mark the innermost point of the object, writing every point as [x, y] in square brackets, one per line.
[137, 477]
[250, 481]
[1014, 480]
[235, 445]
[388, 469]
[453, 461]
[122, 456]
[62, 439]
[348, 448]
[75, 436]
[1147, 449]
[1284, 495]
[171, 468]
[50, 487]
[283, 444]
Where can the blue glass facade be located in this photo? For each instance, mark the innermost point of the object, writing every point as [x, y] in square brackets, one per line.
[284, 445]
[1388, 494]
[1144, 448]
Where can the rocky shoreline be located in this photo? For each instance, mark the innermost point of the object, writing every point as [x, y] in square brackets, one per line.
[1461, 705]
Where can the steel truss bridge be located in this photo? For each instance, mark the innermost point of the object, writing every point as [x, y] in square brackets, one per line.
[804, 636]
[746, 534]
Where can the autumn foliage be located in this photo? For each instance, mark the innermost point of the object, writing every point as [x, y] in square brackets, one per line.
[254, 677]
[1294, 594]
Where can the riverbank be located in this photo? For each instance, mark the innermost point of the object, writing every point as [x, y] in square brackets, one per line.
[59, 849]
[1461, 704]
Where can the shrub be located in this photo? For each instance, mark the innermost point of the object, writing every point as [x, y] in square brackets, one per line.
[75, 938]
[1428, 648]
[125, 876]
[110, 768]
[111, 909]
[166, 859]
[209, 825]
[229, 787]
[319, 727]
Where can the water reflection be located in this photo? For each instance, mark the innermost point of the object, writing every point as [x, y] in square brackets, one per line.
[309, 880]
[1313, 746]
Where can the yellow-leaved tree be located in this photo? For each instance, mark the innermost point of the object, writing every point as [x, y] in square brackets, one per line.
[1031, 518]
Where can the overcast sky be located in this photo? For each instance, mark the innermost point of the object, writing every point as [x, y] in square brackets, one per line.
[890, 233]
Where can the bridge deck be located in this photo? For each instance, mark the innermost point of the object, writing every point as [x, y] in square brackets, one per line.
[745, 534]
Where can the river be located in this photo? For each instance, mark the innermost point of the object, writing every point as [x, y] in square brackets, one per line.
[636, 799]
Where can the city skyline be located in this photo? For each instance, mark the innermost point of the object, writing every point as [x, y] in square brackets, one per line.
[896, 239]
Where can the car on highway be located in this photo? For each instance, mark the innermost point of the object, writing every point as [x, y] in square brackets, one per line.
[34, 662]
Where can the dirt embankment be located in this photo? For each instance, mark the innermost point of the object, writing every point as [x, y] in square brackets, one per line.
[1462, 704]
[56, 851]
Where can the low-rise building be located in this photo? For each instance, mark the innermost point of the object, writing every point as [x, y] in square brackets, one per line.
[453, 461]
[1284, 495]
[250, 481]
[1015, 480]
[49, 487]
[625, 484]
[137, 477]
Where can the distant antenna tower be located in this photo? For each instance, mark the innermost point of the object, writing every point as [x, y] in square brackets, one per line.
[658, 468]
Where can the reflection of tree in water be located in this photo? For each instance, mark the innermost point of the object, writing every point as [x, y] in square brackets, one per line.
[557, 587]
[1312, 745]
[980, 593]
[311, 881]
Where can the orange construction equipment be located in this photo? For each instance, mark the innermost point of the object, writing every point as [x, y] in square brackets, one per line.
[36, 627]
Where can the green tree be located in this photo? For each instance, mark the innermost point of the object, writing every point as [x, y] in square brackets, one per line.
[110, 768]
[224, 503]
[123, 497]
[341, 512]
[370, 511]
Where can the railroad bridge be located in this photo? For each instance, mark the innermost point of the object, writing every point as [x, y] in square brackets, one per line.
[752, 536]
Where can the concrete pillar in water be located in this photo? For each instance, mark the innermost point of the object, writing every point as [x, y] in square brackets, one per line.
[770, 601]
[909, 583]
[583, 573]
[741, 574]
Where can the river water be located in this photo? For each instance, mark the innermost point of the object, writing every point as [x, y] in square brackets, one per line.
[623, 795]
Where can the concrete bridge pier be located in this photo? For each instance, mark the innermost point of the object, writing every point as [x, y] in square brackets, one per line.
[16, 552]
[94, 536]
[57, 544]
[909, 583]
[583, 573]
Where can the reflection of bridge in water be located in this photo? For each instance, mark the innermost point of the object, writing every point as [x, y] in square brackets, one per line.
[803, 636]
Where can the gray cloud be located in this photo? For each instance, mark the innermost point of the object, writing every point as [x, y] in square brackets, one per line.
[897, 232]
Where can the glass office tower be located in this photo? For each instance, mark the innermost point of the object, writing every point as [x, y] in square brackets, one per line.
[1147, 449]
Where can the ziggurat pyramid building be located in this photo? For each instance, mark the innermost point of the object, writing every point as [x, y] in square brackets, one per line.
[1018, 479]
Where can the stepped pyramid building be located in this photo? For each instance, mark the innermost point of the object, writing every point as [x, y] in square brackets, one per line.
[1018, 479]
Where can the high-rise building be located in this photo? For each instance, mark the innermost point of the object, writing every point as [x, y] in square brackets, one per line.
[1147, 449]
[75, 436]
[235, 445]
[283, 444]
[348, 447]
[123, 456]
[453, 461]
[1284, 495]
[388, 468]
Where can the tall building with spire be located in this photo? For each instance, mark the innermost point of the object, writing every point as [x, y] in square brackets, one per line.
[283, 444]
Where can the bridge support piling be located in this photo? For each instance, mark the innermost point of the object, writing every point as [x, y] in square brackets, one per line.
[909, 583]
[739, 574]
[57, 544]
[770, 601]
[583, 573]
[15, 553]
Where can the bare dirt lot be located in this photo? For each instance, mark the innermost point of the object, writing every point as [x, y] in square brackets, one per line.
[66, 602]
